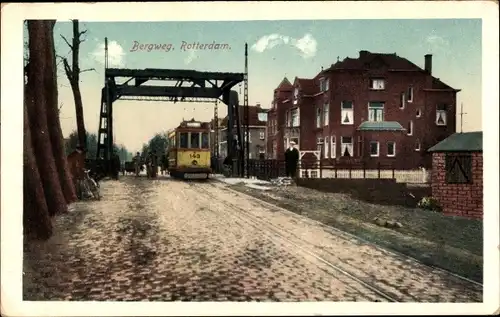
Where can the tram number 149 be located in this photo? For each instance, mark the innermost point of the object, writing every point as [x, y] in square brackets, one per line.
[194, 156]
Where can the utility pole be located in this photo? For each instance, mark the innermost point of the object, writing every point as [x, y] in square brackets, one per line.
[462, 116]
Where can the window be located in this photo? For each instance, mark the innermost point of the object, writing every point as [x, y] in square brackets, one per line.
[205, 141]
[417, 145]
[194, 140]
[295, 95]
[183, 140]
[318, 117]
[441, 114]
[347, 112]
[374, 148]
[376, 111]
[262, 135]
[346, 146]
[288, 119]
[333, 148]
[410, 128]
[391, 149]
[319, 144]
[410, 94]
[324, 84]
[326, 147]
[247, 137]
[419, 113]
[402, 102]
[326, 114]
[295, 117]
[458, 168]
[377, 84]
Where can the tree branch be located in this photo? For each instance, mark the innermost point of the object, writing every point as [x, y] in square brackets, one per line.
[65, 40]
[67, 69]
[87, 70]
[81, 33]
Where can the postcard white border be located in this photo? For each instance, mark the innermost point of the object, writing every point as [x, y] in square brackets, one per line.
[12, 122]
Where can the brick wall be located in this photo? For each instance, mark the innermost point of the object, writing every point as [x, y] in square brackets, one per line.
[464, 200]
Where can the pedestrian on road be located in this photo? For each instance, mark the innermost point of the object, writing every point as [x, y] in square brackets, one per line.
[154, 164]
[291, 160]
[148, 164]
[137, 163]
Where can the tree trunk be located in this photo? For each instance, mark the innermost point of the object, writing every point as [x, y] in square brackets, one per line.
[54, 125]
[37, 109]
[36, 219]
[75, 85]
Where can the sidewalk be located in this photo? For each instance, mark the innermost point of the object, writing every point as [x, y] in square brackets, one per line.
[249, 182]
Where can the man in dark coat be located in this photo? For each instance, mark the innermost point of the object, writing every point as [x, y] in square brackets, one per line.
[291, 160]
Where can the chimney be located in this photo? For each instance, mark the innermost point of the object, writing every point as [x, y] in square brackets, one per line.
[257, 104]
[428, 63]
[363, 54]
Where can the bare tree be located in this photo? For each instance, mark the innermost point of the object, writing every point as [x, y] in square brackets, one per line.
[73, 73]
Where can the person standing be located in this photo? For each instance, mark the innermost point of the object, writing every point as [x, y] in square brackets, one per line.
[137, 163]
[148, 164]
[115, 165]
[291, 160]
[154, 165]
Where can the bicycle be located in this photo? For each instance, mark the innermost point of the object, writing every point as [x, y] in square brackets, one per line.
[91, 185]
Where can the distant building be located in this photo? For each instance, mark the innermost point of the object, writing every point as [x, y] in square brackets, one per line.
[376, 108]
[257, 132]
[457, 174]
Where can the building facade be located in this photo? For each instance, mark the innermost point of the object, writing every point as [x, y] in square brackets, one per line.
[257, 132]
[375, 109]
[457, 174]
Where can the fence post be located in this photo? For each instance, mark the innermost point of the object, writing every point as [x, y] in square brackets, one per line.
[378, 168]
[364, 170]
[350, 170]
[335, 169]
[393, 172]
[320, 168]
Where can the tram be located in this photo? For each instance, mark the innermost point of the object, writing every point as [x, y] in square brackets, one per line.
[189, 150]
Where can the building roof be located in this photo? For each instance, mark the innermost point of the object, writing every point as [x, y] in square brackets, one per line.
[307, 86]
[285, 85]
[381, 126]
[254, 118]
[460, 142]
[391, 60]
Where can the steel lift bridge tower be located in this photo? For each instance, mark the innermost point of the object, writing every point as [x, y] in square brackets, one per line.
[189, 86]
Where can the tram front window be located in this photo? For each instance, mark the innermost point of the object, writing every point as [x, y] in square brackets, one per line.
[205, 144]
[183, 140]
[195, 140]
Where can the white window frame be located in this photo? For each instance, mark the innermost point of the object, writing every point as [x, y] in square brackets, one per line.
[326, 148]
[444, 113]
[324, 84]
[410, 133]
[345, 112]
[333, 147]
[295, 114]
[326, 114]
[417, 145]
[247, 137]
[262, 135]
[377, 84]
[378, 148]
[319, 143]
[402, 102]
[295, 95]
[410, 94]
[375, 111]
[318, 117]
[349, 144]
[419, 113]
[393, 147]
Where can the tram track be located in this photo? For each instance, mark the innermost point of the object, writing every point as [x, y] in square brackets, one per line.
[278, 235]
[391, 291]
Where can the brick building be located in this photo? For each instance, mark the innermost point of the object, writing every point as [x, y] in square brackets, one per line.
[376, 108]
[457, 174]
[257, 130]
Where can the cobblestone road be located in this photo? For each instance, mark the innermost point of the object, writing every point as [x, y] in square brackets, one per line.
[166, 240]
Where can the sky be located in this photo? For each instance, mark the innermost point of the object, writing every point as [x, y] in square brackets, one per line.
[276, 49]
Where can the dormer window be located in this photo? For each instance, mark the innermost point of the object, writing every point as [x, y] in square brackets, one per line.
[324, 84]
[295, 95]
[377, 84]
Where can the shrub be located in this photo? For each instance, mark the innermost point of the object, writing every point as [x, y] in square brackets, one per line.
[429, 203]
